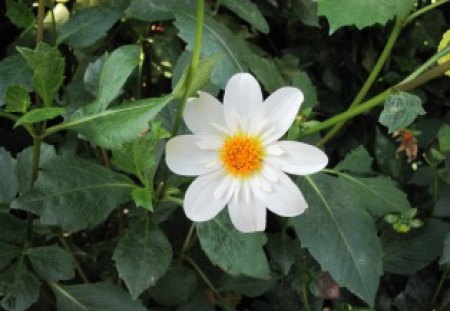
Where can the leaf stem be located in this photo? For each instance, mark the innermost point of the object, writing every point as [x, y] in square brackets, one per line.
[40, 22]
[370, 80]
[305, 298]
[187, 242]
[424, 10]
[439, 287]
[193, 66]
[77, 264]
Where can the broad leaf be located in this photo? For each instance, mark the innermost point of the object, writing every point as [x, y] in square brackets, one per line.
[7, 253]
[155, 254]
[68, 191]
[116, 126]
[19, 288]
[217, 39]
[283, 250]
[8, 180]
[336, 224]
[355, 12]
[17, 99]
[91, 77]
[151, 10]
[410, 252]
[48, 69]
[302, 81]
[19, 14]
[14, 71]
[40, 114]
[93, 297]
[249, 12]
[266, 71]
[87, 26]
[400, 110]
[235, 252]
[357, 161]
[51, 262]
[142, 197]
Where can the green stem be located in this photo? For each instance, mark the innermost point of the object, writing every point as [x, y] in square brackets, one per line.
[40, 22]
[439, 287]
[378, 99]
[425, 10]
[305, 298]
[187, 242]
[78, 267]
[193, 66]
[34, 174]
[370, 80]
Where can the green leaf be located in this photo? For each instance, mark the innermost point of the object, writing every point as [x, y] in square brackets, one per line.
[244, 285]
[302, 81]
[445, 258]
[335, 224]
[356, 161]
[400, 110]
[51, 262]
[306, 10]
[442, 207]
[249, 12]
[8, 180]
[19, 14]
[24, 163]
[410, 252]
[48, 70]
[7, 253]
[19, 288]
[68, 191]
[175, 287]
[379, 195]
[14, 229]
[116, 126]
[384, 152]
[17, 99]
[115, 71]
[217, 39]
[234, 252]
[39, 114]
[93, 297]
[282, 250]
[201, 77]
[151, 10]
[143, 197]
[155, 254]
[444, 138]
[91, 77]
[356, 12]
[266, 71]
[87, 26]
[14, 71]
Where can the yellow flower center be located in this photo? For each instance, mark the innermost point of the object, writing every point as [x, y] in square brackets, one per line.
[242, 155]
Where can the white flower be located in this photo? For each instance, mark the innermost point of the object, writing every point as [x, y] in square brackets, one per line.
[235, 152]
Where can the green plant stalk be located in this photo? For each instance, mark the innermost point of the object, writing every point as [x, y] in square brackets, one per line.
[193, 66]
[378, 99]
[371, 79]
[78, 267]
[425, 10]
[305, 298]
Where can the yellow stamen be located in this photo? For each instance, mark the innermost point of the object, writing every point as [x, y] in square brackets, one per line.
[242, 155]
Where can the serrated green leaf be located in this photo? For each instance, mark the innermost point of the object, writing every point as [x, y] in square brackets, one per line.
[17, 99]
[48, 70]
[410, 252]
[8, 180]
[116, 126]
[87, 26]
[68, 191]
[175, 287]
[115, 71]
[356, 161]
[19, 288]
[93, 297]
[355, 12]
[7, 253]
[266, 71]
[151, 10]
[39, 114]
[155, 255]
[19, 14]
[51, 262]
[400, 110]
[335, 224]
[14, 71]
[217, 40]
[143, 198]
[235, 252]
[249, 12]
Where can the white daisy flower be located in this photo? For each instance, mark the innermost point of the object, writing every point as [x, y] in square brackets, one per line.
[235, 152]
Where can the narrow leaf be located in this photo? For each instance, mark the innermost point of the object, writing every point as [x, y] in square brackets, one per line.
[40, 114]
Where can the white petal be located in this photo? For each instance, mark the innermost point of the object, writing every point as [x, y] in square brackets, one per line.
[280, 109]
[247, 216]
[200, 203]
[185, 157]
[204, 114]
[298, 158]
[242, 98]
[285, 199]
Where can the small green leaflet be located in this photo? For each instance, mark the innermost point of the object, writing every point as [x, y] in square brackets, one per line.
[19, 14]
[39, 114]
[400, 111]
[14, 71]
[17, 99]
[357, 161]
